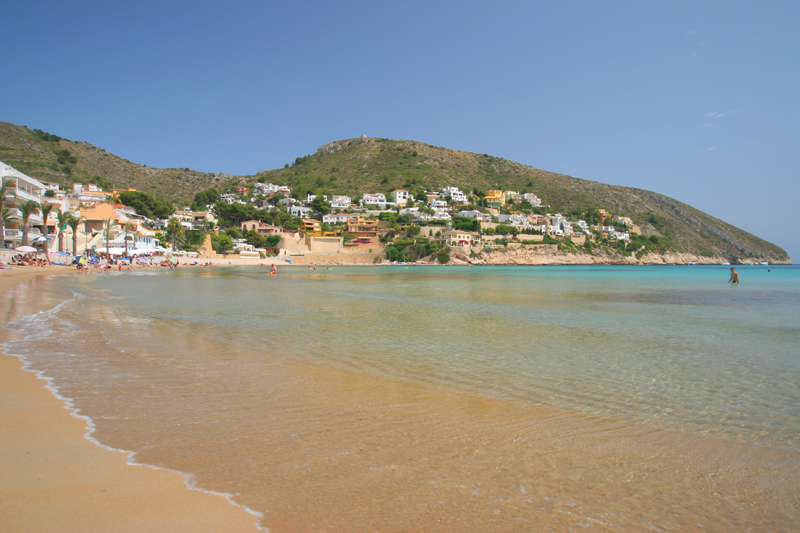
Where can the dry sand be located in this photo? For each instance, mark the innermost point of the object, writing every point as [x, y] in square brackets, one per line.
[54, 479]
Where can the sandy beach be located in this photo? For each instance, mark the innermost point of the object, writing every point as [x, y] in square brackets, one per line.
[55, 479]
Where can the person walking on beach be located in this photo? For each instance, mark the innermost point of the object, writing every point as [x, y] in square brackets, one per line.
[734, 276]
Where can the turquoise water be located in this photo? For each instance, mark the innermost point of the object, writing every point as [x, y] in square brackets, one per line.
[673, 346]
[179, 364]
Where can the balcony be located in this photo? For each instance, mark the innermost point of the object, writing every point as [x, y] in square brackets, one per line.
[16, 235]
[24, 195]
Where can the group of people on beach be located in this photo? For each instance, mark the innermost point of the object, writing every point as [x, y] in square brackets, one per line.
[27, 260]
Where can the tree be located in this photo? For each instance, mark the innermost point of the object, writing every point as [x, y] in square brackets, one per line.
[221, 243]
[107, 230]
[275, 198]
[5, 218]
[175, 228]
[28, 208]
[128, 228]
[45, 210]
[146, 205]
[412, 231]
[5, 193]
[293, 224]
[205, 198]
[63, 219]
[74, 222]
[320, 207]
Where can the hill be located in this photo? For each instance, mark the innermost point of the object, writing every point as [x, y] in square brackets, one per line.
[357, 166]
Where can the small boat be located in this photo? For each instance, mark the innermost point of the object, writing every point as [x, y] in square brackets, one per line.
[691, 263]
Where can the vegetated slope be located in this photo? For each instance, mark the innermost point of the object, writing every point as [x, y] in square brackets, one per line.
[51, 158]
[357, 166]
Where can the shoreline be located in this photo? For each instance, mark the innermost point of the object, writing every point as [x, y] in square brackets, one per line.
[56, 477]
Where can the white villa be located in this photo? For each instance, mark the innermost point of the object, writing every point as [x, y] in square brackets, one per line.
[341, 202]
[400, 196]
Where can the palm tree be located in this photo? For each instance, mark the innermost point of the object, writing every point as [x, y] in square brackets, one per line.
[175, 228]
[107, 230]
[45, 210]
[74, 223]
[63, 219]
[128, 227]
[5, 216]
[4, 192]
[28, 208]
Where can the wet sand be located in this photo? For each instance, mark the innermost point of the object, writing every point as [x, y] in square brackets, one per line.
[54, 479]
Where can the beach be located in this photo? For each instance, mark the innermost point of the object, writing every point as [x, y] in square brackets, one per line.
[421, 399]
[54, 479]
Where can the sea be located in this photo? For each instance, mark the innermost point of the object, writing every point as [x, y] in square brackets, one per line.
[452, 399]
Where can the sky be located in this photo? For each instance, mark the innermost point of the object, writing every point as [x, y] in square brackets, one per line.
[697, 100]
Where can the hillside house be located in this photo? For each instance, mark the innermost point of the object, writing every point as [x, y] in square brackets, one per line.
[362, 228]
[495, 199]
[260, 227]
[482, 217]
[400, 196]
[341, 218]
[341, 202]
[311, 227]
[460, 238]
[299, 211]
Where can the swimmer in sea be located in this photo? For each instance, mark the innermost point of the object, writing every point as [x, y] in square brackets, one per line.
[734, 276]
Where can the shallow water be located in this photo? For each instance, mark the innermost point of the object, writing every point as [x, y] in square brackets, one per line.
[448, 399]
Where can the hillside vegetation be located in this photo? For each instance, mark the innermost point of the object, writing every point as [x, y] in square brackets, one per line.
[357, 166]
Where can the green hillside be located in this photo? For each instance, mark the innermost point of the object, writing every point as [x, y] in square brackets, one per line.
[358, 166]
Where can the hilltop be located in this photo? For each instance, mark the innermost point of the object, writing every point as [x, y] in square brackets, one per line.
[362, 165]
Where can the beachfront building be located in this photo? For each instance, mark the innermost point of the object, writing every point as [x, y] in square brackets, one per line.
[20, 188]
[137, 239]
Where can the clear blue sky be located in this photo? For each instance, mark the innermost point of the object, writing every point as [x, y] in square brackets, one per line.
[696, 100]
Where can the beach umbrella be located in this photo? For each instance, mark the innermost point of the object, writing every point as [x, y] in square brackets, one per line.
[82, 261]
[26, 249]
[41, 239]
[173, 259]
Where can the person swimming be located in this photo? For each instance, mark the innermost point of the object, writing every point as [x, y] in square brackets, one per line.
[734, 276]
